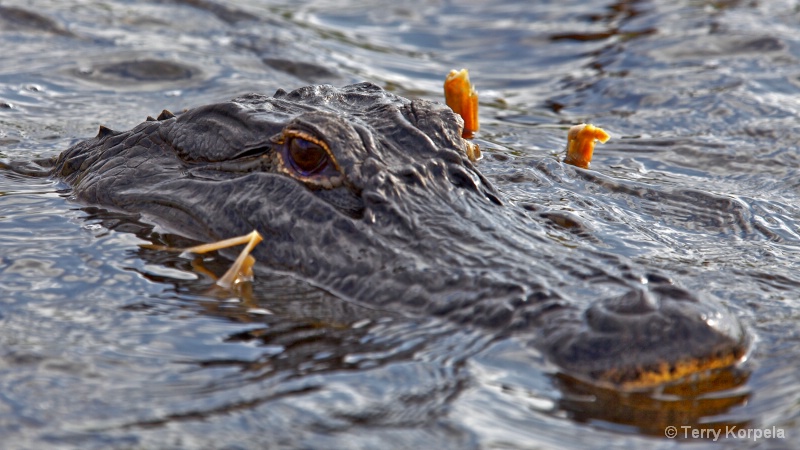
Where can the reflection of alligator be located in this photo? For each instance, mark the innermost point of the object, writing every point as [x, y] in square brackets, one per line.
[373, 197]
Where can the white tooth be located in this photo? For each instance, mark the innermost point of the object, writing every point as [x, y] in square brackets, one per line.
[326, 183]
[336, 181]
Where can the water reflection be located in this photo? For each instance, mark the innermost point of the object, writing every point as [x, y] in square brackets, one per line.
[618, 21]
[21, 19]
[138, 72]
[699, 403]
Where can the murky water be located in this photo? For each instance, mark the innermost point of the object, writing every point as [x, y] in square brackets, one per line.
[107, 344]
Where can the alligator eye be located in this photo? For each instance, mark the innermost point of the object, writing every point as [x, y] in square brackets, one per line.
[306, 157]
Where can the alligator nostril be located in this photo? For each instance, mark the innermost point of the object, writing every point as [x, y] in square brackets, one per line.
[617, 314]
[600, 320]
[635, 301]
[674, 293]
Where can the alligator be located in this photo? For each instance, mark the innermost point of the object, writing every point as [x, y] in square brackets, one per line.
[377, 199]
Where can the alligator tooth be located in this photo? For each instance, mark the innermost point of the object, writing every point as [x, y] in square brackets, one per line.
[165, 115]
[326, 183]
[335, 181]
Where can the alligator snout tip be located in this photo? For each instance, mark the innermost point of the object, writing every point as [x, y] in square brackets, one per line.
[646, 338]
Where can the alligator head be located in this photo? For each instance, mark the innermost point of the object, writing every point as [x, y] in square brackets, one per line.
[374, 197]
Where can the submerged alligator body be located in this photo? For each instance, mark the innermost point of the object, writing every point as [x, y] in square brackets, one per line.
[372, 197]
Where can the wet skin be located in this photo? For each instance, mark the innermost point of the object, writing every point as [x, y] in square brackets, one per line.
[372, 197]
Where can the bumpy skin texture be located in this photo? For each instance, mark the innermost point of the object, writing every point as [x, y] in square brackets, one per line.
[408, 224]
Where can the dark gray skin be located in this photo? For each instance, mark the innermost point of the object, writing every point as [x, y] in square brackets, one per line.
[413, 226]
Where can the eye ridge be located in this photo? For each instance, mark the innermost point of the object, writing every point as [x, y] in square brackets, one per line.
[306, 156]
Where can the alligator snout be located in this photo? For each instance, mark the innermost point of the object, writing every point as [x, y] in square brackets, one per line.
[647, 337]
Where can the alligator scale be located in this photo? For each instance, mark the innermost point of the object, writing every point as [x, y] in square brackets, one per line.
[373, 197]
